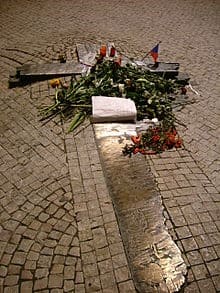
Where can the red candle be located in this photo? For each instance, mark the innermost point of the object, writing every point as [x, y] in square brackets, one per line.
[112, 52]
[103, 50]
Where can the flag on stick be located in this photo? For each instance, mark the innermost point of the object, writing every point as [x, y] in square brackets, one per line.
[154, 52]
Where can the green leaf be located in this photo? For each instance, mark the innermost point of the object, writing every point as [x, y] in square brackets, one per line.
[77, 120]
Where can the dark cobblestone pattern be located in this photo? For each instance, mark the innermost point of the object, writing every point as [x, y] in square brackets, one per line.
[192, 209]
[32, 156]
[55, 208]
[104, 264]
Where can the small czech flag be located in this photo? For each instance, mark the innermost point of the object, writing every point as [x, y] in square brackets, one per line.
[154, 52]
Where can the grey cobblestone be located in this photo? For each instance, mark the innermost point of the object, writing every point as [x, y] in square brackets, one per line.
[37, 177]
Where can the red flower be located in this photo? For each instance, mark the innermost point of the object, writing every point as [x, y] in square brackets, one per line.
[174, 132]
[156, 138]
[171, 139]
[136, 150]
[136, 139]
[178, 143]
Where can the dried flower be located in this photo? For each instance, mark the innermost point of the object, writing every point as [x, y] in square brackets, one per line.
[183, 90]
[55, 83]
[154, 140]
[136, 150]
[179, 143]
[136, 139]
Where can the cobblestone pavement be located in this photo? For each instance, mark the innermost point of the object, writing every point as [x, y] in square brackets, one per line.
[58, 231]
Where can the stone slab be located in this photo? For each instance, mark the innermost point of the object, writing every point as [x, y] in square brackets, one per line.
[155, 260]
[28, 73]
[68, 68]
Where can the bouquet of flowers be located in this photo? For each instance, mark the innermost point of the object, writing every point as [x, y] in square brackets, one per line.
[153, 141]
